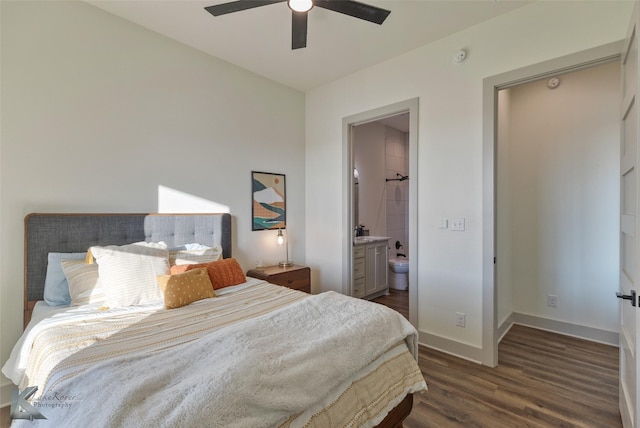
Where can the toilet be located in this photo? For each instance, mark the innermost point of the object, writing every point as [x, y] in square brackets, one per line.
[399, 272]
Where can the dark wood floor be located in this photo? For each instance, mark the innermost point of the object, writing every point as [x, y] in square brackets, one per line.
[543, 379]
[397, 299]
[5, 418]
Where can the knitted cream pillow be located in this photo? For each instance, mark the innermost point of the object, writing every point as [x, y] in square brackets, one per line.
[84, 283]
[194, 253]
[183, 288]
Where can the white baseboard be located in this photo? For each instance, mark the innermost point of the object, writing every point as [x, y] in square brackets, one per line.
[448, 346]
[583, 332]
[504, 328]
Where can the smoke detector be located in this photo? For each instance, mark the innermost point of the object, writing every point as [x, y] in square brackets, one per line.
[460, 56]
[553, 83]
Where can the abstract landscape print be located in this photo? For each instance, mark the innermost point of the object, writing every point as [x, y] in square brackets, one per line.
[269, 201]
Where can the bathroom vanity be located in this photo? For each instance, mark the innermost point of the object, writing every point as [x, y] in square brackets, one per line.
[370, 266]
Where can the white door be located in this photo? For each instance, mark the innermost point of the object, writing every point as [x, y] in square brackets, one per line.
[629, 248]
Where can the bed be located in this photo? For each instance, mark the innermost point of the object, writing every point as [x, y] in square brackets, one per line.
[255, 354]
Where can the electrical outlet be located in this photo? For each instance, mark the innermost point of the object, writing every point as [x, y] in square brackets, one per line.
[460, 319]
[457, 224]
[552, 301]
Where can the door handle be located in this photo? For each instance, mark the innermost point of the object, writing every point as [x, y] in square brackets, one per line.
[631, 296]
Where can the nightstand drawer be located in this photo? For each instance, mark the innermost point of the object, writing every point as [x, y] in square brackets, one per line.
[297, 280]
[294, 277]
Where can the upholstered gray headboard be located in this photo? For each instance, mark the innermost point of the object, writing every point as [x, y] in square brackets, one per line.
[69, 233]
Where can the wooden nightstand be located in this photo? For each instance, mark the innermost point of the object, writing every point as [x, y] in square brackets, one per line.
[295, 277]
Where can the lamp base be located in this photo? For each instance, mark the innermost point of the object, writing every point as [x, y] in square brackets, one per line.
[286, 263]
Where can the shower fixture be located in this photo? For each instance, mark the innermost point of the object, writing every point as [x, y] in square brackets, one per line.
[401, 177]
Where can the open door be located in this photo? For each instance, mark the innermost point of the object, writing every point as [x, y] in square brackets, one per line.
[629, 228]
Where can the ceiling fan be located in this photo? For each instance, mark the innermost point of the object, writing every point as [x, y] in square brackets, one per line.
[299, 10]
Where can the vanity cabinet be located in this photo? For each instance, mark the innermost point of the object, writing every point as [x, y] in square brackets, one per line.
[358, 271]
[376, 268]
[370, 268]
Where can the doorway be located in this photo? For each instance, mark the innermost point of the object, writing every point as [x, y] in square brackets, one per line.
[557, 203]
[492, 87]
[400, 115]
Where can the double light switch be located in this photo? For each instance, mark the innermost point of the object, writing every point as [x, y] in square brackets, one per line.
[454, 224]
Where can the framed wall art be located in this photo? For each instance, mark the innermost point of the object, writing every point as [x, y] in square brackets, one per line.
[268, 210]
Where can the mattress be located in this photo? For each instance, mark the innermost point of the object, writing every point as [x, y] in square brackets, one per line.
[64, 351]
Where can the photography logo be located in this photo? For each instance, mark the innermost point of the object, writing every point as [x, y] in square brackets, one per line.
[21, 408]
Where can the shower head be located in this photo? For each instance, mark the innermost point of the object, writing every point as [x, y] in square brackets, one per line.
[402, 177]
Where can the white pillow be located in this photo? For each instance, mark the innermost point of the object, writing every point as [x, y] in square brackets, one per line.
[190, 254]
[128, 272]
[84, 282]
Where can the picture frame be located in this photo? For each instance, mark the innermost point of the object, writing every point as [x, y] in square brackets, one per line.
[269, 201]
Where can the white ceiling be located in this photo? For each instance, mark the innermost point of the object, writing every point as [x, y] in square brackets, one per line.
[260, 39]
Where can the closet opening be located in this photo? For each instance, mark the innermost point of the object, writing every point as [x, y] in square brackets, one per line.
[550, 192]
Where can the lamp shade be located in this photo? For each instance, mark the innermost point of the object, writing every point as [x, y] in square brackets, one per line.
[300, 5]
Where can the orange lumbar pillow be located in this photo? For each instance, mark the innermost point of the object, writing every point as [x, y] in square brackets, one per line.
[222, 273]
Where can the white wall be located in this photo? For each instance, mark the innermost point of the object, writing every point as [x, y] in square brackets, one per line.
[563, 197]
[397, 162]
[449, 176]
[99, 113]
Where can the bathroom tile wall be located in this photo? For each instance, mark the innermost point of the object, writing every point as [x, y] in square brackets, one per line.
[397, 162]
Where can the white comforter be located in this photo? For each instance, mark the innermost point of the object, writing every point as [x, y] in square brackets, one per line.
[258, 372]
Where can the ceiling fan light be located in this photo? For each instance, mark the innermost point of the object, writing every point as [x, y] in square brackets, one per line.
[300, 5]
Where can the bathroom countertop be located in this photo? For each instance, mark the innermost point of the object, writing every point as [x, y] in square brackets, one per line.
[360, 240]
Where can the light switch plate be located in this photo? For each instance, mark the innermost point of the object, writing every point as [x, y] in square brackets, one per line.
[461, 319]
[457, 224]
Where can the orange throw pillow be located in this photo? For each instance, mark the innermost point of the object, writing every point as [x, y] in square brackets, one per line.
[183, 268]
[222, 273]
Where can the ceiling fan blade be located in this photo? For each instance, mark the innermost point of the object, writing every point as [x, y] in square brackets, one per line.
[355, 9]
[298, 30]
[236, 6]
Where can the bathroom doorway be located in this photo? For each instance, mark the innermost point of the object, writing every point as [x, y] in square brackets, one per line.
[380, 158]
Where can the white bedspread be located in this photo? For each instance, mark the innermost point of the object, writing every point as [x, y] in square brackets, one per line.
[254, 373]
